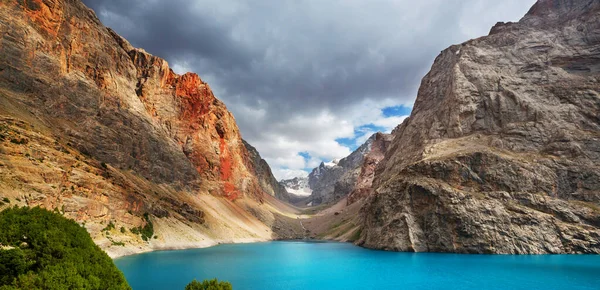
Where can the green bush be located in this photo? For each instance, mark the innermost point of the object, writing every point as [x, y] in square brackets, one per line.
[6, 200]
[51, 252]
[213, 284]
[146, 231]
[109, 227]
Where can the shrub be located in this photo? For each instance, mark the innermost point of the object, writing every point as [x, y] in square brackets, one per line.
[109, 227]
[118, 244]
[213, 284]
[146, 231]
[6, 200]
[52, 252]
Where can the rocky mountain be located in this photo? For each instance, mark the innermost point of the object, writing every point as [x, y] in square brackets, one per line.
[334, 180]
[322, 179]
[109, 135]
[363, 185]
[297, 186]
[501, 153]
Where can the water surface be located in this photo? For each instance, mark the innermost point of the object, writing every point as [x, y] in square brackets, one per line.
[302, 265]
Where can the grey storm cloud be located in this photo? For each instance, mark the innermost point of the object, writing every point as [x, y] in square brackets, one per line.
[281, 59]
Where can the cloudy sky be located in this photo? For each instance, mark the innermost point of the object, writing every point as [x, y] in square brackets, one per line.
[307, 80]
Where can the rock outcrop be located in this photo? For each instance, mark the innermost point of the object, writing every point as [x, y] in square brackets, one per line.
[363, 185]
[501, 153]
[107, 133]
[322, 180]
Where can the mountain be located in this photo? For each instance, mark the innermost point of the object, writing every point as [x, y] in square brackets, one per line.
[297, 186]
[362, 187]
[501, 152]
[332, 181]
[262, 171]
[108, 134]
[322, 179]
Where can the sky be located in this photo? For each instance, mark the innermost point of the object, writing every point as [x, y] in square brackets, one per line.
[307, 80]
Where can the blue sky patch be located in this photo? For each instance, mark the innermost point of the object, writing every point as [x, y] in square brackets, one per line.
[396, 111]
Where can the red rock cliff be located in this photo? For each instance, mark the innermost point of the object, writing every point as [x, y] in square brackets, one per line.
[124, 134]
[124, 106]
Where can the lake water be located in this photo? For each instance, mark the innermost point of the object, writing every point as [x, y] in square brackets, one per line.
[303, 266]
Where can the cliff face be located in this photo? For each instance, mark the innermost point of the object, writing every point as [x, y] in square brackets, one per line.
[262, 171]
[322, 180]
[501, 152]
[107, 132]
[363, 185]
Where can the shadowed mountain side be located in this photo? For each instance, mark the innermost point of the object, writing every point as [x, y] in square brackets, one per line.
[501, 151]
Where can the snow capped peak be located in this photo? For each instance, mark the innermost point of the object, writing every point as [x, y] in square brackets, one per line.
[297, 186]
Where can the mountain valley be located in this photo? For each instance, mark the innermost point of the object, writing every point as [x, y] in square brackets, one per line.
[500, 154]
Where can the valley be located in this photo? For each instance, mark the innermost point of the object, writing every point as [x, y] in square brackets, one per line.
[499, 155]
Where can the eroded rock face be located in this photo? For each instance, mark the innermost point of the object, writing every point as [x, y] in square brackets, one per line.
[133, 136]
[501, 152]
[363, 185]
[267, 181]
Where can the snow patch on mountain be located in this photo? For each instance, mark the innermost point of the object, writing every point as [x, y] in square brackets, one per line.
[297, 186]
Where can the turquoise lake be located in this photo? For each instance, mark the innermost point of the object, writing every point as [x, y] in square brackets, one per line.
[306, 265]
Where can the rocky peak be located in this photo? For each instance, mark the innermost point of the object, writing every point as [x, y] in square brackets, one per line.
[547, 14]
[297, 186]
[556, 12]
[503, 139]
[561, 8]
[334, 180]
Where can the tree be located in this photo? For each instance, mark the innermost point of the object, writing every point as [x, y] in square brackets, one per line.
[213, 284]
[44, 250]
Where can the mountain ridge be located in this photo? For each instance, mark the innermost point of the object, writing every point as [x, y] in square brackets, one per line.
[500, 152]
[109, 134]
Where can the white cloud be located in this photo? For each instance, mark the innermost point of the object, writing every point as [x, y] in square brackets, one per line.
[280, 173]
[280, 144]
[180, 67]
[389, 123]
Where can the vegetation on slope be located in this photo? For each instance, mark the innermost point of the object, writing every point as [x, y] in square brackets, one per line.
[213, 284]
[40, 249]
[146, 231]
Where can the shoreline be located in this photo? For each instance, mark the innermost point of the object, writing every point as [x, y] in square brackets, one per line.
[246, 241]
[209, 245]
[124, 252]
